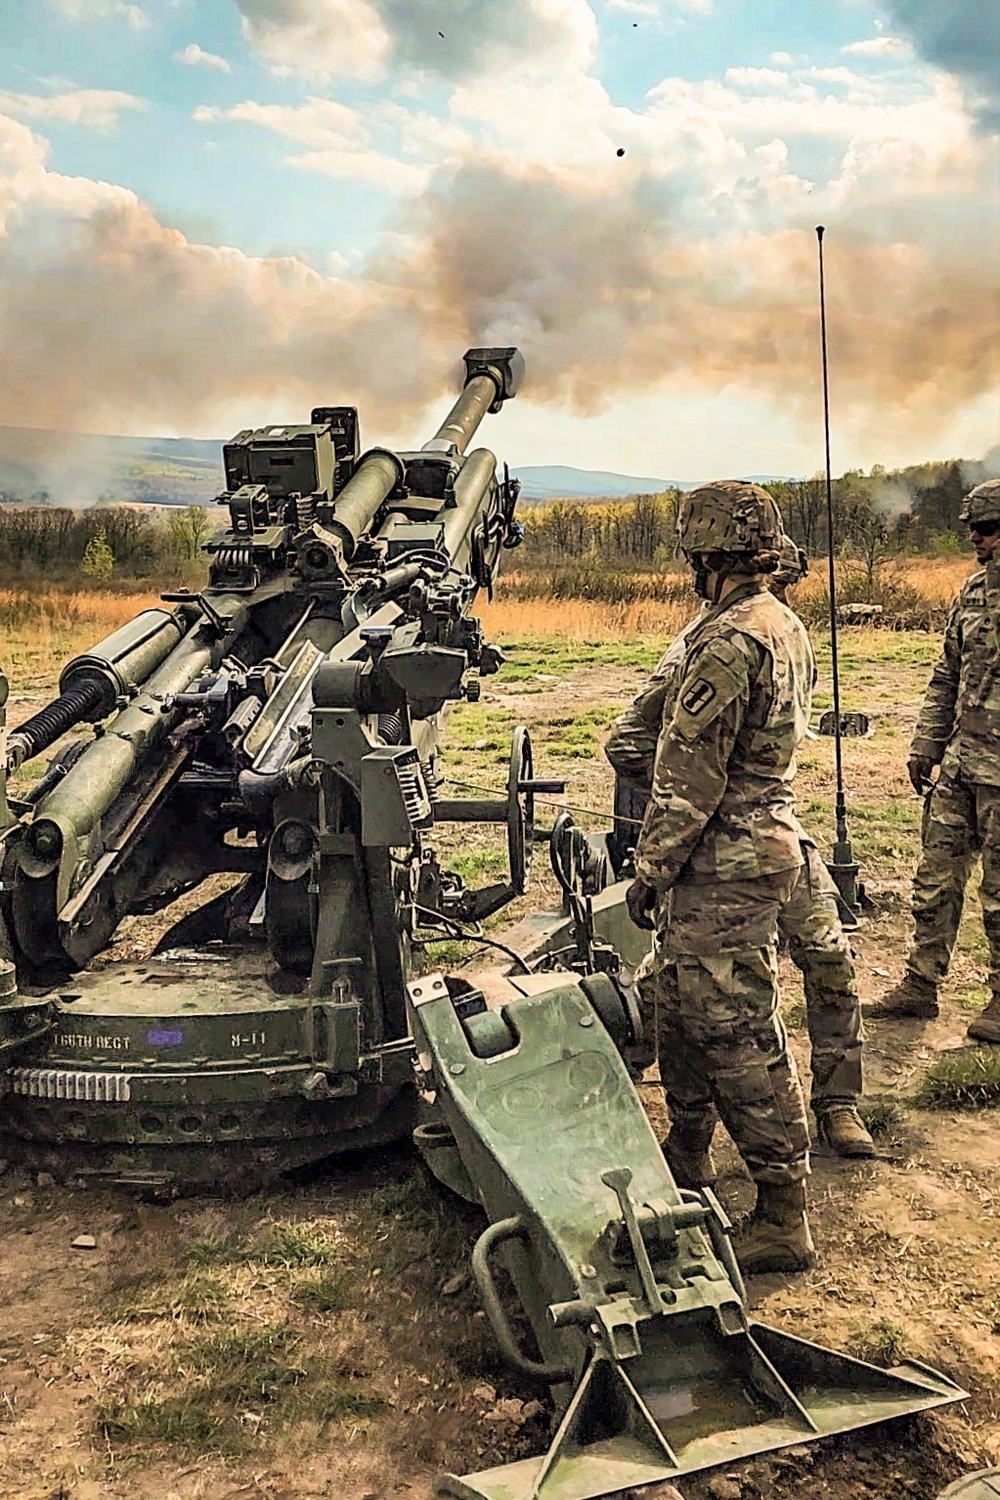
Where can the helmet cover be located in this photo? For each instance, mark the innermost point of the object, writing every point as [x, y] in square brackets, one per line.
[729, 515]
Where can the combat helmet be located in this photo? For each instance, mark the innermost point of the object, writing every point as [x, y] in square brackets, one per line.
[793, 564]
[982, 503]
[729, 515]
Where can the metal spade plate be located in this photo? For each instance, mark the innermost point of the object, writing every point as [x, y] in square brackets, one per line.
[982, 1486]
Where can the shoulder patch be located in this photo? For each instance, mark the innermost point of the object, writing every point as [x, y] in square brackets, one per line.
[717, 675]
[698, 696]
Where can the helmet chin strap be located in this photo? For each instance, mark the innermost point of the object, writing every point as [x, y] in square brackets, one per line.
[709, 582]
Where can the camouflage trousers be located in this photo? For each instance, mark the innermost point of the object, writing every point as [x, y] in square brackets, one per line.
[961, 821]
[722, 1047]
[819, 947]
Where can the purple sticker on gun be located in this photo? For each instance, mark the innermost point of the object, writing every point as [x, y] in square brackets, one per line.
[159, 1037]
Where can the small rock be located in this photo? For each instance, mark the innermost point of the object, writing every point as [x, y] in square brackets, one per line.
[725, 1488]
[84, 1242]
[454, 1284]
[18, 1202]
[665, 1491]
[507, 1410]
[484, 1393]
[45, 1180]
[530, 1410]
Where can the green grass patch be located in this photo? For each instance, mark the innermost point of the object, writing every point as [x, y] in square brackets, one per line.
[882, 1116]
[299, 1244]
[226, 1249]
[525, 659]
[185, 1422]
[479, 864]
[280, 1242]
[325, 1293]
[241, 1388]
[962, 1080]
[975, 998]
[150, 1295]
[882, 1343]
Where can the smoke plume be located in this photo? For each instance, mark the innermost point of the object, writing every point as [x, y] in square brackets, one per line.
[690, 265]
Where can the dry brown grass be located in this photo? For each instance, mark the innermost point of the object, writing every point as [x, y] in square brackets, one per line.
[23, 609]
[928, 581]
[581, 619]
[936, 579]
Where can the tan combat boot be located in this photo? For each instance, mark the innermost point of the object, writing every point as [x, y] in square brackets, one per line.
[775, 1237]
[986, 1026]
[843, 1130]
[912, 996]
[689, 1157]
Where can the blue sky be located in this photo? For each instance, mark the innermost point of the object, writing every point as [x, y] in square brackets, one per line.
[222, 212]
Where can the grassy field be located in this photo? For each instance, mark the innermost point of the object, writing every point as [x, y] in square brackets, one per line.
[325, 1340]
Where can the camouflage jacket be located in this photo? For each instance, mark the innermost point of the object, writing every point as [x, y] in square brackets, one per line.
[715, 734]
[959, 724]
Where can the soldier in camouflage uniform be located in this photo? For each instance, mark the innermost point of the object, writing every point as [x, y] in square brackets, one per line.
[819, 947]
[718, 858]
[959, 730]
[810, 922]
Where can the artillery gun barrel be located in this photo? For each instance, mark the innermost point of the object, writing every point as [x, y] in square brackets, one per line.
[492, 376]
[465, 416]
[472, 483]
[372, 482]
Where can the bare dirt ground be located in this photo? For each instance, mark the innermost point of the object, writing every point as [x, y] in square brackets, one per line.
[322, 1339]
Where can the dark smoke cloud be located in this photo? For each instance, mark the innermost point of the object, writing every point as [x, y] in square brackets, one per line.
[477, 35]
[451, 38]
[608, 301]
[963, 37]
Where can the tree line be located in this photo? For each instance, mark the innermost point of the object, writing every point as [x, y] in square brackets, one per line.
[577, 545]
[876, 513]
[102, 544]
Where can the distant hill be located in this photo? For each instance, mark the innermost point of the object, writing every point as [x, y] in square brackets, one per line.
[72, 468]
[556, 481]
[67, 468]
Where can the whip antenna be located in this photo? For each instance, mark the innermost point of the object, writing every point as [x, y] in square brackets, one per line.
[843, 868]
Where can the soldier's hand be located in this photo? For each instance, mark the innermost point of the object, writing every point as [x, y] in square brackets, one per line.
[920, 768]
[640, 899]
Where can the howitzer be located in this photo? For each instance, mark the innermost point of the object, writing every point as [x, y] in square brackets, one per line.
[279, 728]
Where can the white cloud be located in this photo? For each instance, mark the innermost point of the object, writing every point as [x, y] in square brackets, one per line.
[94, 109]
[782, 59]
[757, 78]
[317, 40]
[648, 10]
[879, 46]
[338, 138]
[654, 10]
[104, 10]
[194, 56]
